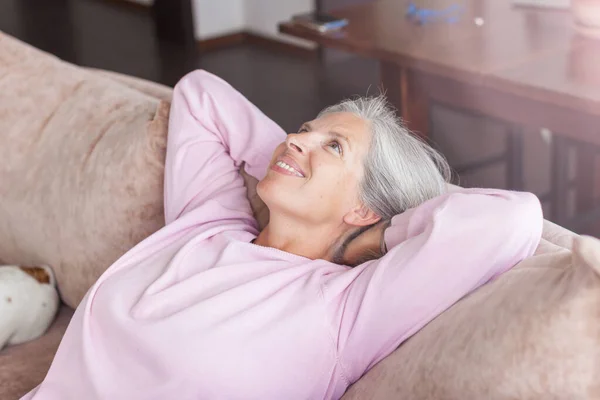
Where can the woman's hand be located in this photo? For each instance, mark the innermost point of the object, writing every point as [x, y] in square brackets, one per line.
[367, 246]
[261, 211]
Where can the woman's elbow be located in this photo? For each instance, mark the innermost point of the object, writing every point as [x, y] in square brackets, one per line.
[526, 221]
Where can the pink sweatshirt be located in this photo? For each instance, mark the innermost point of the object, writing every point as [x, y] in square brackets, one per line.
[196, 311]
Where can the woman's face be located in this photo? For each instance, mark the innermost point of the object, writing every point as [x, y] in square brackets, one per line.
[315, 174]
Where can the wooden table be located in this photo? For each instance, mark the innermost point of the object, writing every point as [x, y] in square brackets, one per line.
[525, 66]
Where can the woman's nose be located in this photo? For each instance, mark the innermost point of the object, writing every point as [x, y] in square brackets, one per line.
[295, 143]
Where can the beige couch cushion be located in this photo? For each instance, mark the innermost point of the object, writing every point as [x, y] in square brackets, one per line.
[152, 89]
[82, 166]
[534, 333]
[24, 366]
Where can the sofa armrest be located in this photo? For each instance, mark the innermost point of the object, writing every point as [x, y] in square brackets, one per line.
[153, 89]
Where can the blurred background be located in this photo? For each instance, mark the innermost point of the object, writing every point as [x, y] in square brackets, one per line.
[509, 92]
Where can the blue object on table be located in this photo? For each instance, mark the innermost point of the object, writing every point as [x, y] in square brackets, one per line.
[450, 14]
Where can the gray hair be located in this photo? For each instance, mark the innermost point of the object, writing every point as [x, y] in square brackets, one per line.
[401, 170]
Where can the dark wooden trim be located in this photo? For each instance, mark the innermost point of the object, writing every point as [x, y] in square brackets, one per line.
[130, 5]
[237, 38]
[414, 102]
[402, 88]
[279, 46]
[390, 83]
[61, 41]
[174, 21]
[221, 42]
[318, 5]
[321, 51]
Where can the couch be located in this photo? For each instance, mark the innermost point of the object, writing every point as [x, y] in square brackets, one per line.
[81, 183]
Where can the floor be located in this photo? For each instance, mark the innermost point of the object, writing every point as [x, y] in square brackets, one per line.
[288, 88]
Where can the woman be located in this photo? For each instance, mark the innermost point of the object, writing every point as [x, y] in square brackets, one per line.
[210, 308]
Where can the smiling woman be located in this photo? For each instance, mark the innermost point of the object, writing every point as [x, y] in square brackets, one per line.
[360, 158]
[322, 202]
[210, 307]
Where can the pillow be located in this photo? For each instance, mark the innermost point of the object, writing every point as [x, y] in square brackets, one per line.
[82, 167]
[534, 333]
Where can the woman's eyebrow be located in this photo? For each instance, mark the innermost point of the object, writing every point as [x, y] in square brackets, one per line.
[337, 135]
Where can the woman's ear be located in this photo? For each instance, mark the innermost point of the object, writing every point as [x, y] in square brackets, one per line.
[361, 216]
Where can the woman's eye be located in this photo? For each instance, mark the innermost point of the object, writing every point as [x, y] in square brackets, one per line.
[336, 147]
[302, 130]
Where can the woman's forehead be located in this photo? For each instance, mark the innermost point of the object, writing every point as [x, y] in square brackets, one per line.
[341, 122]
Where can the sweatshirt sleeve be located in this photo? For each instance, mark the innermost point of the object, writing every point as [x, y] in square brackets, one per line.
[437, 253]
[213, 129]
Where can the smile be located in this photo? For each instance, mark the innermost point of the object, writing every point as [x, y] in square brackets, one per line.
[282, 166]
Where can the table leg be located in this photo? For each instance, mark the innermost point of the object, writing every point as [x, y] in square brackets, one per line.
[560, 179]
[404, 91]
[586, 165]
[514, 159]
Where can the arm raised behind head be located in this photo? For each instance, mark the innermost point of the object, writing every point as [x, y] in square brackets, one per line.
[437, 253]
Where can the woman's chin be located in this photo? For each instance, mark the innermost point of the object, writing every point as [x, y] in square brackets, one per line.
[276, 197]
[274, 181]
[264, 184]
[267, 189]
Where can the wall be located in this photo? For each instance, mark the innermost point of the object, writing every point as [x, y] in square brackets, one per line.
[218, 17]
[262, 17]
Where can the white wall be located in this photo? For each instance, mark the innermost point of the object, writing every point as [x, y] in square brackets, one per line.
[218, 17]
[263, 16]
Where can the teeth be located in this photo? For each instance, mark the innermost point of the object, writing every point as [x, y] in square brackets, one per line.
[284, 165]
[287, 167]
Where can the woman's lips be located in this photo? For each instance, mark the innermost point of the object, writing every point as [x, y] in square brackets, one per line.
[284, 171]
[286, 165]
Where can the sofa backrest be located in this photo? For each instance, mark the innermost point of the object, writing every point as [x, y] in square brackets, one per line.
[82, 165]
